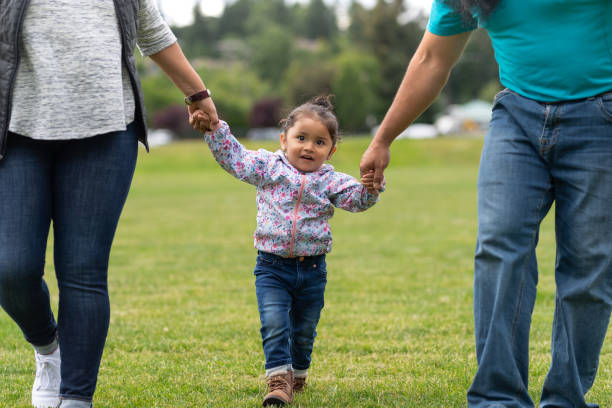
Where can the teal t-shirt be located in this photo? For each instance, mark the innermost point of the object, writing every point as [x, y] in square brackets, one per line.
[547, 50]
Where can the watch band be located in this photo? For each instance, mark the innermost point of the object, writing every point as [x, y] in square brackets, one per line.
[198, 96]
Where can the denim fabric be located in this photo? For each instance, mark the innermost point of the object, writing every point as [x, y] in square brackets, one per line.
[536, 154]
[290, 299]
[81, 186]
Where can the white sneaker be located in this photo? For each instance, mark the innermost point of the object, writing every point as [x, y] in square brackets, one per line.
[45, 392]
[72, 403]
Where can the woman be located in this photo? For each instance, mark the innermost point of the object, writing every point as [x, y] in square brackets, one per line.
[71, 116]
[550, 140]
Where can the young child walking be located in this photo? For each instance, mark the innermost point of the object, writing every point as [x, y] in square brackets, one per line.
[296, 196]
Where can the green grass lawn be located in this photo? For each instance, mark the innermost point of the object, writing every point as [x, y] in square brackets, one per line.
[397, 328]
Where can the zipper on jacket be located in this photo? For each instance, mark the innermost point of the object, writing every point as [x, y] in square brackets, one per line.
[295, 215]
[9, 96]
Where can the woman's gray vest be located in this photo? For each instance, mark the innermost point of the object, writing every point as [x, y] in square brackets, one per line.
[12, 13]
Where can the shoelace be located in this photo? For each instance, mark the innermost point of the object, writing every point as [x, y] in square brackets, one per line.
[277, 383]
[299, 383]
[44, 372]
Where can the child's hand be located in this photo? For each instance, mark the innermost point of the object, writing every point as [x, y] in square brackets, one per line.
[368, 182]
[210, 118]
[201, 122]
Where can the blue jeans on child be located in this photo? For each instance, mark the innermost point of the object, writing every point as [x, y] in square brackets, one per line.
[79, 185]
[290, 295]
[536, 153]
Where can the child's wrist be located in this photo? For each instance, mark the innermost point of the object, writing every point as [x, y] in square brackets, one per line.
[218, 126]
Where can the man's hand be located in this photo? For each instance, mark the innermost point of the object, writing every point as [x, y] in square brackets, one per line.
[373, 163]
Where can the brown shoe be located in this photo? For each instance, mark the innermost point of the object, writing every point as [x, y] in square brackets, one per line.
[280, 389]
[299, 383]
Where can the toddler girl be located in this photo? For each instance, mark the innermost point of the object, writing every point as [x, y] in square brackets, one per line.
[296, 196]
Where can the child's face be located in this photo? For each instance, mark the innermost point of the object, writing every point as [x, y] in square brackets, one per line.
[307, 144]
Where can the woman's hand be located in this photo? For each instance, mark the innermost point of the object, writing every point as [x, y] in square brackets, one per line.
[203, 115]
[201, 121]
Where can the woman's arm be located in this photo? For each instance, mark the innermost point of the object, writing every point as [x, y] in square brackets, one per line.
[173, 62]
[156, 40]
[425, 77]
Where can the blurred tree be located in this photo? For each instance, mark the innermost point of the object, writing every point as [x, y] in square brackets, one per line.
[267, 12]
[233, 49]
[488, 92]
[159, 93]
[358, 17]
[355, 84]
[475, 69]
[308, 78]
[234, 90]
[233, 17]
[318, 21]
[270, 52]
[200, 38]
[393, 42]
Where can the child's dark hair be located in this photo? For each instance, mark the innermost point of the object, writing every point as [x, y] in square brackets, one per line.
[320, 107]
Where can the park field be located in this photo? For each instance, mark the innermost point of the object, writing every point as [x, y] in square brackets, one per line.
[397, 328]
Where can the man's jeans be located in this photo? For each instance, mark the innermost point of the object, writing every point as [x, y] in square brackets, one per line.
[80, 186]
[290, 299]
[534, 154]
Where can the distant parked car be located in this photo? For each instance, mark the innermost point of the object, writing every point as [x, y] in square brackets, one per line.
[269, 133]
[159, 137]
[473, 116]
[416, 131]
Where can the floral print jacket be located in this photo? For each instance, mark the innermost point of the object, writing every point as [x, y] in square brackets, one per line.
[293, 208]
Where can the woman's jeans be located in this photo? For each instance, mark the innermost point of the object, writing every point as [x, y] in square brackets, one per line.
[80, 186]
[290, 299]
[536, 154]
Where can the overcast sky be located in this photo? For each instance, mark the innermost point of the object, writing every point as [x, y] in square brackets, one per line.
[178, 12]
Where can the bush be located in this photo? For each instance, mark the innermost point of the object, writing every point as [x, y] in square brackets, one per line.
[159, 93]
[308, 78]
[266, 113]
[356, 82]
[174, 118]
[234, 91]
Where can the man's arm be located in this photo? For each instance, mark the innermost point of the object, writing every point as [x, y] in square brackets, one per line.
[425, 77]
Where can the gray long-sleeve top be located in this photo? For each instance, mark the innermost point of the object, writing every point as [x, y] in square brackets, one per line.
[71, 82]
